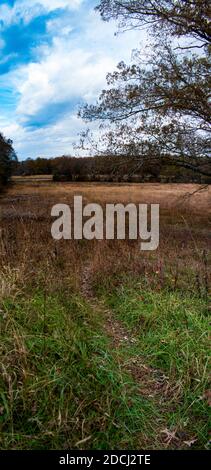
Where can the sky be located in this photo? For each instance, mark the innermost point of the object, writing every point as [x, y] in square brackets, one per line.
[54, 56]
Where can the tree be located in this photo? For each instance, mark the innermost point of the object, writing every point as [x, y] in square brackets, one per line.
[179, 17]
[161, 109]
[7, 158]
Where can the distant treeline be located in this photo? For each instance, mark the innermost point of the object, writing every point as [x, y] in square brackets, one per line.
[106, 169]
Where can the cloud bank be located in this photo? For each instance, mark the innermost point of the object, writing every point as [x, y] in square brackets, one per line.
[54, 56]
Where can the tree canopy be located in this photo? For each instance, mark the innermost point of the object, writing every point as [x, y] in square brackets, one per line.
[179, 17]
[161, 108]
[7, 157]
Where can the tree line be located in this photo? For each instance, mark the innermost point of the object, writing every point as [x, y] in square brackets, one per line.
[106, 168]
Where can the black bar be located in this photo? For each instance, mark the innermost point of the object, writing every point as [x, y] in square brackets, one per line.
[104, 459]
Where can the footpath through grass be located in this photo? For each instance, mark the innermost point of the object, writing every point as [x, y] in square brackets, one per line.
[171, 344]
[102, 347]
[63, 385]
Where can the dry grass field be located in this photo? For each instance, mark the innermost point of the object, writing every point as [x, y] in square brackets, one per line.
[104, 346]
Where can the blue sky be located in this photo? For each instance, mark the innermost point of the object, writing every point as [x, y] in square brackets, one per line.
[54, 55]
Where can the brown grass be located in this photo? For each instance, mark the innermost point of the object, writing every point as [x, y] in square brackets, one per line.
[185, 230]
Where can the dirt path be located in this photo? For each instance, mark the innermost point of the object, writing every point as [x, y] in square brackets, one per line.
[113, 327]
[151, 383]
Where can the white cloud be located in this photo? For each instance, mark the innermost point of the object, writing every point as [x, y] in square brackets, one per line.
[53, 4]
[2, 43]
[73, 68]
[63, 75]
[50, 141]
[26, 10]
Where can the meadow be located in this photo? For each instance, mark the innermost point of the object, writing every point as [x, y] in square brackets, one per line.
[104, 346]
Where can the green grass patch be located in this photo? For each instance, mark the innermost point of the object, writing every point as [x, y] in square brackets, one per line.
[60, 383]
[171, 336]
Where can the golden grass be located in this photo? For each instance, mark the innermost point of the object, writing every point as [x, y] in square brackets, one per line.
[195, 196]
[26, 222]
